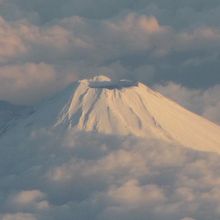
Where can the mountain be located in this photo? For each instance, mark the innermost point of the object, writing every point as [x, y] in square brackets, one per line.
[10, 114]
[123, 108]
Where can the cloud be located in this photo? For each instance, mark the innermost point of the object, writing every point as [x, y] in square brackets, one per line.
[189, 13]
[30, 82]
[54, 176]
[132, 194]
[26, 200]
[10, 43]
[71, 48]
[18, 216]
[132, 44]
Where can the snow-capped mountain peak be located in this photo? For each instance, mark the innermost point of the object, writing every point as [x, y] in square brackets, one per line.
[130, 108]
[124, 108]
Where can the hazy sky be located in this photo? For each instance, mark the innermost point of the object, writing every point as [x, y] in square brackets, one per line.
[47, 44]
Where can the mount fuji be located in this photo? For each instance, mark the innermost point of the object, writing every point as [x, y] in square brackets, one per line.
[123, 108]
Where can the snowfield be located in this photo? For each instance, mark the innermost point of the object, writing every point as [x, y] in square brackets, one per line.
[131, 108]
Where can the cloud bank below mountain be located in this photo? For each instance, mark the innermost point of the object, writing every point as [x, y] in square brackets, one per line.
[86, 176]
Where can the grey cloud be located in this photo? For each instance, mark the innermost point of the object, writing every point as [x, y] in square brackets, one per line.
[72, 47]
[97, 9]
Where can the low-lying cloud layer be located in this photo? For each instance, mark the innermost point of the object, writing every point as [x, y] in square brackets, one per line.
[87, 176]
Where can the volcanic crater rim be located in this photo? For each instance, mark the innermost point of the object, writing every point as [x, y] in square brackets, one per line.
[112, 85]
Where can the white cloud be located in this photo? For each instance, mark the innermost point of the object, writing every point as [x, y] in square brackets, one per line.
[10, 42]
[26, 197]
[28, 200]
[18, 216]
[30, 82]
[132, 194]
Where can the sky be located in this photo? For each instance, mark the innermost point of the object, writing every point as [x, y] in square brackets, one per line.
[172, 46]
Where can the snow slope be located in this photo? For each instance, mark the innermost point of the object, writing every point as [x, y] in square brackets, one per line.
[131, 108]
[121, 108]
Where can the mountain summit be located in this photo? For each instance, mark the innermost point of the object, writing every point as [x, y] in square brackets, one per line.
[131, 108]
[121, 108]
[111, 107]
